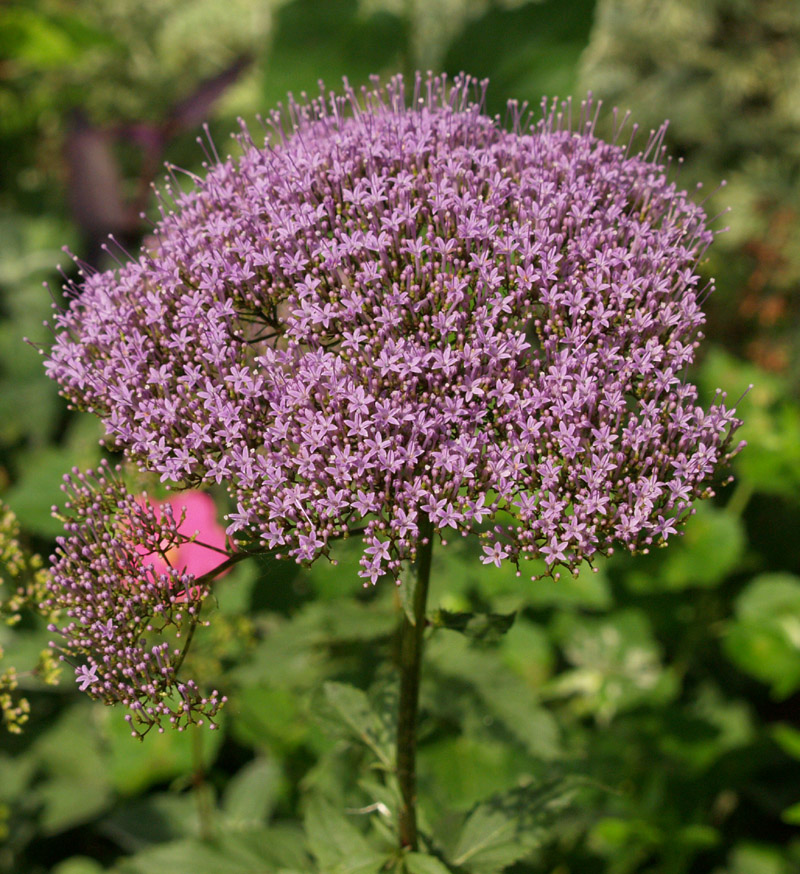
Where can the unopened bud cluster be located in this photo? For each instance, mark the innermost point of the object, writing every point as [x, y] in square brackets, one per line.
[123, 626]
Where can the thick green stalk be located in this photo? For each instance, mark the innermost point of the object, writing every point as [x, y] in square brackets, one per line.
[410, 664]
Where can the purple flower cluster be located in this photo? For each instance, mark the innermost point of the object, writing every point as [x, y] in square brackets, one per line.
[118, 613]
[388, 312]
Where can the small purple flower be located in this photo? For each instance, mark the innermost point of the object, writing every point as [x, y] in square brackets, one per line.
[85, 677]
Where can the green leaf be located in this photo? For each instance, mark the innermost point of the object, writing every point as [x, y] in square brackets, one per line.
[460, 771]
[351, 710]
[771, 461]
[336, 843]
[617, 664]
[788, 739]
[152, 819]
[78, 865]
[279, 846]
[751, 858]
[489, 842]
[189, 855]
[590, 589]
[269, 715]
[507, 828]
[251, 794]
[486, 627]
[527, 650]
[263, 851]
[502, 694]
[419, 863]
[764, 639]
[70, 755]
[39, 487]
[792, 814]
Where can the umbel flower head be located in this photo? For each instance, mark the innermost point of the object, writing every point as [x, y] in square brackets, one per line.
[394, 315]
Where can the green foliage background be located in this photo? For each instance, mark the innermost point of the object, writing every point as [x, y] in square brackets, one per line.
[666, 688]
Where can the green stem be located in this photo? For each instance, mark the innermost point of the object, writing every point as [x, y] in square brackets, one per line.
[410, 664]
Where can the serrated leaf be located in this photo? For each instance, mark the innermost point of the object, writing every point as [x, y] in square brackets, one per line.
[503, 694]
[352, 710]
[507, 828]
[420, 863]
[489, 843]
[336, 843]
[279, 846]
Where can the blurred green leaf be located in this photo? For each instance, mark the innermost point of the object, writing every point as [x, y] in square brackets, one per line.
[194, 856]
[326, 41]
[764, 638]
[792, 814]
[70, 755]
[78, 865]
[152, 819]
[251, 794]
[771, 461]
[263, 851]
[611, 836]
[266, 715]
[788, 739]
[501, 694]
[505, 829]
[338, 846]
[590, 589]
[617, 664]
[527, 651]
[39, 487]
[751, 858]
[710, 549]
[419, 863]
[29, 35]
[485, 627]
[459, 771]
[707, 728]
[349, 709]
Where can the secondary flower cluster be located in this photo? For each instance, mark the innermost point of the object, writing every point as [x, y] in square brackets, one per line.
[120, 599]
[391, 311]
